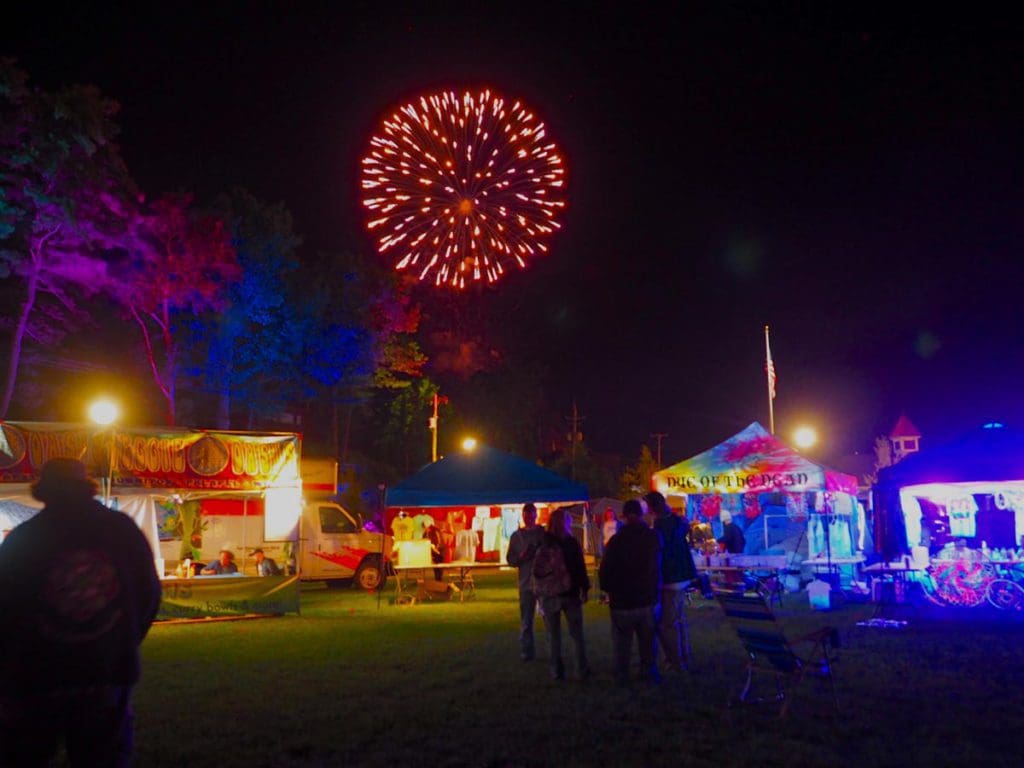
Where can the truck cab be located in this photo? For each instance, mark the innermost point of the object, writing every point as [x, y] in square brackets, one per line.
[335, 545]
[337, 548]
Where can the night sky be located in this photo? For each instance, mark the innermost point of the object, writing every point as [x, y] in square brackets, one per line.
[850, 176]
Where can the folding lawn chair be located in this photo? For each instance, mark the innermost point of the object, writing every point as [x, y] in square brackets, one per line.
[771, 653]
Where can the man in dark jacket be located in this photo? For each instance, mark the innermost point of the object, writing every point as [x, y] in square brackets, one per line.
[78, 592]
[522, 546]
[630, 573]
[677, 574]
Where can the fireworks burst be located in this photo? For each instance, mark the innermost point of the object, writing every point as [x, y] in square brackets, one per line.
[459, 187]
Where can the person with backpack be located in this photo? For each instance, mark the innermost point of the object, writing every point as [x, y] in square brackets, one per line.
[522, 546]
[678, 572]
[562, 586]
[631, 573]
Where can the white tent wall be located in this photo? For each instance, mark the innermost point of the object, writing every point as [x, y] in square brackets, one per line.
[17, 505]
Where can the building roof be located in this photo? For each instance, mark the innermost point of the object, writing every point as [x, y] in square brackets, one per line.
[904, 428]
[986, 454]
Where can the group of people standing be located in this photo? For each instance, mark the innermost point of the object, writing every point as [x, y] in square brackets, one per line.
[645, 571]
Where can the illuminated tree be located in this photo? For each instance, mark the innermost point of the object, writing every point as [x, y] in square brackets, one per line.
[237, 353]
[64, 207]
[182, 264]
[359, 293]
[636, 480]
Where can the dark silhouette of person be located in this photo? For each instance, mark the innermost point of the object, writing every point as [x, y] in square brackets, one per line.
[631, 575]
[78, 592]
[522, 546]
[432, 533]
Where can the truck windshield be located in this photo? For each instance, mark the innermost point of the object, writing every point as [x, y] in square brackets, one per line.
[334, 520]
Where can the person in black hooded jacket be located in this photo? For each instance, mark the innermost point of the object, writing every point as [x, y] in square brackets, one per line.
[78, 592]
[631, 575]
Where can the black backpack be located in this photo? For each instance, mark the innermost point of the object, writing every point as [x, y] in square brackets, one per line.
[550, 574]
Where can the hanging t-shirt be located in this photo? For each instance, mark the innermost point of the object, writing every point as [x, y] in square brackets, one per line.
[465, 545]
[457, 521]
[403, 528]
[492, 534]
[479, 518]
[510, 520]
[962, 512]
[421, 522]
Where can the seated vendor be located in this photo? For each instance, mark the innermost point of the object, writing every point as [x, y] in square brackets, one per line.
[224, 564]
[265, 566]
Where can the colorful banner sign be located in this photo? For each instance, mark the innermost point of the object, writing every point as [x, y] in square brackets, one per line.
[141, 458]
[228, 596]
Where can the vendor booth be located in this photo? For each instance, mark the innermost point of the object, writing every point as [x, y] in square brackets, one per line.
[953, 515]
[192, 493]
[475, 499]
[784, 503]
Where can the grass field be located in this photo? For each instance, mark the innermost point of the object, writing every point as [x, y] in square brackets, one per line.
[441, 684]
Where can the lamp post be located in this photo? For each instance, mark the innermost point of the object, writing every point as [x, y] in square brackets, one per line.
[104, 413]
[432, 425]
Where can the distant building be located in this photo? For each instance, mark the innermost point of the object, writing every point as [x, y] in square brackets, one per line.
[905, 439]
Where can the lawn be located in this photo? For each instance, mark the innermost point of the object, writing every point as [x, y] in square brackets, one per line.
[349, 683]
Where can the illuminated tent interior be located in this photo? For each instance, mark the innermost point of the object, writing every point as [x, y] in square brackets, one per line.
[971, 488]
[955, 512]
[466, 490]
[151, 481]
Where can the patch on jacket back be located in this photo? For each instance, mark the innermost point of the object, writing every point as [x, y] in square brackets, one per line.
[80, 597]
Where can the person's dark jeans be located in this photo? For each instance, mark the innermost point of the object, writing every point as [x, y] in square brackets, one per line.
[96, 724]
[527, 610]
[626, 623]
[552, 608]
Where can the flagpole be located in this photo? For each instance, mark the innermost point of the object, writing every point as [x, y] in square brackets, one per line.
[768, 372]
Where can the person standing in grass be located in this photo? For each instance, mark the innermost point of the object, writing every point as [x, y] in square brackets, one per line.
[677, 574]
[562, 585]
[630, 573]
[78, 592]
[522, 546]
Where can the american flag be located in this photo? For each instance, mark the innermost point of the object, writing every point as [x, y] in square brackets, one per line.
[769, 366]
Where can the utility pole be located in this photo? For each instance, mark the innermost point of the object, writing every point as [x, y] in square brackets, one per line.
[432, 426]
[659, 436]
[575, 420]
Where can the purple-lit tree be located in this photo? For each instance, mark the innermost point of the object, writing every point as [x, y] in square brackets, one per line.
[64, 208]
[181, 265]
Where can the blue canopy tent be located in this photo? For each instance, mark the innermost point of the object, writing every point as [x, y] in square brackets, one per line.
[485, 476]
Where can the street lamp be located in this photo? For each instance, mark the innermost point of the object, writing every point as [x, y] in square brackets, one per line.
[805, 437]
[104, 412]
[469, 444]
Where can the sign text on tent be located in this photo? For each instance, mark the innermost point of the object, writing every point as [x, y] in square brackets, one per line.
[763, 480]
